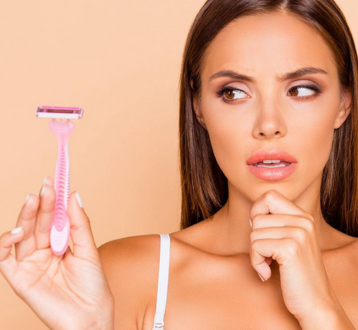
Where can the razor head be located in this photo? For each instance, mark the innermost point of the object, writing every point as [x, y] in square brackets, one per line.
[59, 112]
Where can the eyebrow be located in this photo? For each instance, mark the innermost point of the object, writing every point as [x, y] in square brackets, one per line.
[283, 77]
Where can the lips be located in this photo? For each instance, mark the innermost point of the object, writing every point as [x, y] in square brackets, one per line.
[261, 155]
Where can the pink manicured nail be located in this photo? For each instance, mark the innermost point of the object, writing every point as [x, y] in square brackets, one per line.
[250, 222]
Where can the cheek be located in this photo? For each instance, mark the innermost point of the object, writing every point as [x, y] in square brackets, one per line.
[308, 135]
[315, 149]
[227, 134]
[311, 136]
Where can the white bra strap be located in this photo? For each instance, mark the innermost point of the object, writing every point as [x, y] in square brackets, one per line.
[162, 281]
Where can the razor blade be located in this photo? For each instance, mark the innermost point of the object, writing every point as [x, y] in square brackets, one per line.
[59, 112]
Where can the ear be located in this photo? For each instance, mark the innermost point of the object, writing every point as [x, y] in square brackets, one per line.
[344, 109]
[196, 106]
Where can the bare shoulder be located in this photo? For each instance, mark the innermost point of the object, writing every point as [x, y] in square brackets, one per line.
[343, 268]
[131, 266]
[352, 303]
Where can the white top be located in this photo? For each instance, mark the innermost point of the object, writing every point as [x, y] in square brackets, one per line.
[162, 281]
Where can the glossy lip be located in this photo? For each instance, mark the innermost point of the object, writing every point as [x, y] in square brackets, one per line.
[270, 154]
[273, 174]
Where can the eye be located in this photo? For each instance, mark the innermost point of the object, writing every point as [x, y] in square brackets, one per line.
[295, 91]
[229, 93]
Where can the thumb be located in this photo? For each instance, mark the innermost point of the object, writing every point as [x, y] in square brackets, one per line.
[84, 245]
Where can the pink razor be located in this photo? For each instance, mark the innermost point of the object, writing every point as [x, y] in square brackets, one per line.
[60, 229]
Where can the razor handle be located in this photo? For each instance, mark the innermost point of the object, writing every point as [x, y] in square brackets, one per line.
[60, 228]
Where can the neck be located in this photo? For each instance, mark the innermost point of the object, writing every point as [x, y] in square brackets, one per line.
[230, 226]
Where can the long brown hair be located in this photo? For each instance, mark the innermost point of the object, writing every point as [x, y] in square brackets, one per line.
[204, 185]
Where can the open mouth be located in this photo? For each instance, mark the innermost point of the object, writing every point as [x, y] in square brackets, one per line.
[273, 171]
[273, 164]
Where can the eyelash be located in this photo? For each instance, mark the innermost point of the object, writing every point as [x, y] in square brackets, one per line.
[311, 87]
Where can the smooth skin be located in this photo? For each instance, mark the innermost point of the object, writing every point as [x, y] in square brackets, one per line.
[311, 257]
[68, 292]
[213, 281]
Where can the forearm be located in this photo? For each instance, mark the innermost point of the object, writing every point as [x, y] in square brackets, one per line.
[330, 319]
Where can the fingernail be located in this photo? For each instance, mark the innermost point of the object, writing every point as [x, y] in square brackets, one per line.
[43, 190]
[27, 198]
[44, 181]
[262, 279]
[250, 222]
[79, 200]
[16, 230]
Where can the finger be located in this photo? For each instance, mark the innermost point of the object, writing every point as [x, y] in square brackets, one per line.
[296, 233]
[279, 226]
[273, 233]
[84, 245]
[275, 203]
[281, 220]
[269, 259]
[48, 181]
[8, 263]
[265, 248]
[26, 220]
[45, 215]
[29, 244]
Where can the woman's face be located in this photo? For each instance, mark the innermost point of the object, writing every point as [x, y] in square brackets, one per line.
[268, 113]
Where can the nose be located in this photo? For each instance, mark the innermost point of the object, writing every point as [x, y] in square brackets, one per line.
[269, 122]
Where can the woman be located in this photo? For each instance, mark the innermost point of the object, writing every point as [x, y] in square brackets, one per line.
[259, 247]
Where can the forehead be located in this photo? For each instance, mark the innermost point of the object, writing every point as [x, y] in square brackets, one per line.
[267, 44]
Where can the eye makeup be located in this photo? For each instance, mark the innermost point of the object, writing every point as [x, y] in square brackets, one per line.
[314, 88]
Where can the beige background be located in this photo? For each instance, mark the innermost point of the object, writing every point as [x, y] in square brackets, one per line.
[120, 61]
